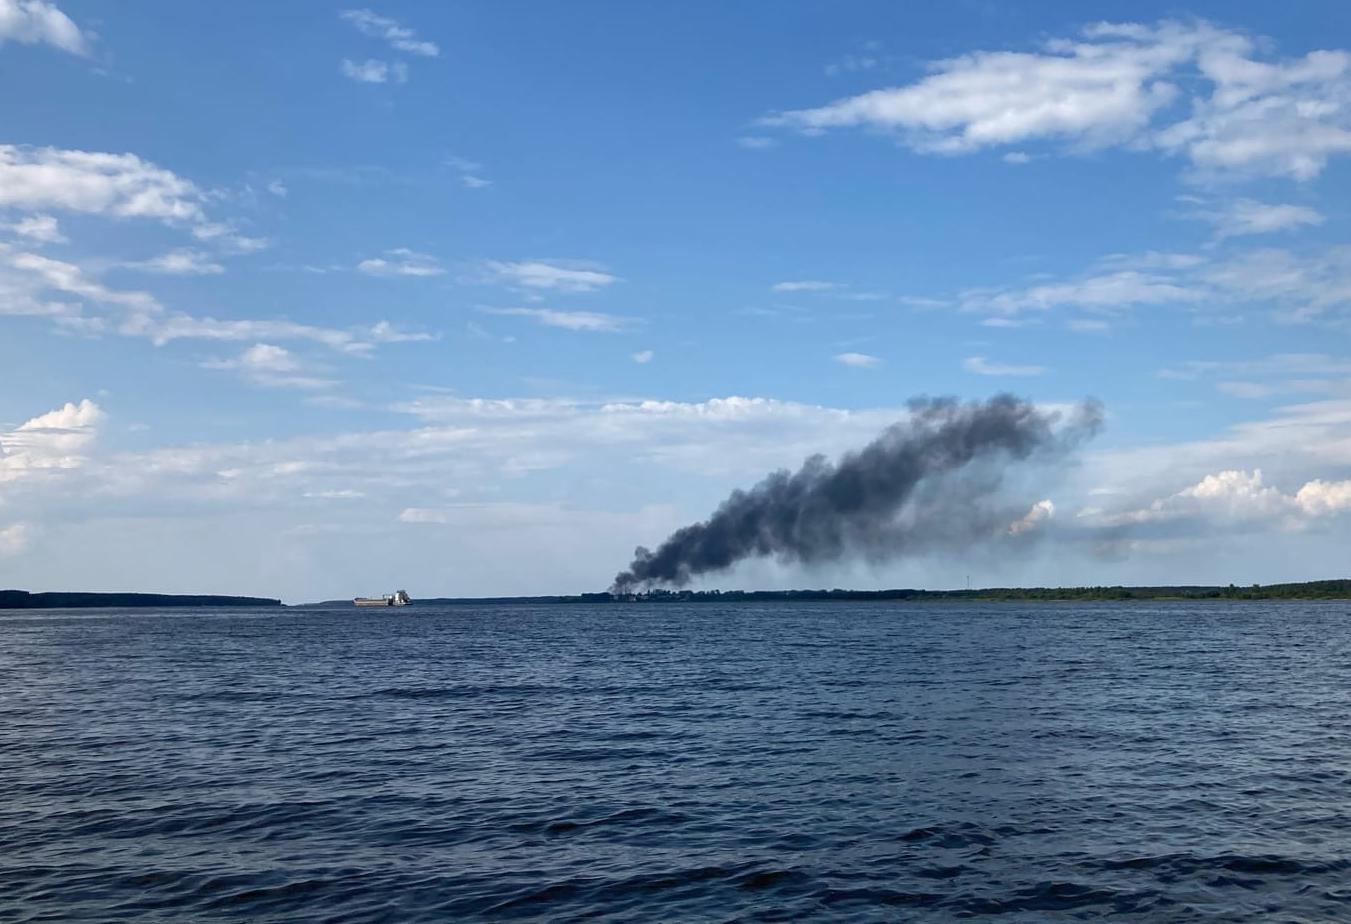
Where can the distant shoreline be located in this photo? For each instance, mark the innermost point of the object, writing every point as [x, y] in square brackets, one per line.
[1308, 590]
[23, 600]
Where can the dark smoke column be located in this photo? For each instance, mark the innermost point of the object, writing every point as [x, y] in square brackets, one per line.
[824, 511]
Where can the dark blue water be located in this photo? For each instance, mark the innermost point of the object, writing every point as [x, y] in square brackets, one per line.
[840, 762]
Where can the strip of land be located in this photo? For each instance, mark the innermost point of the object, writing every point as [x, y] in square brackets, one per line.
[1308, 590]
[23, 600]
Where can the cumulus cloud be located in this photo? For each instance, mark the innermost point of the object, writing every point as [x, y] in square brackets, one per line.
[401, 262]
[979, 365]
[538, 274]
[1120, 84]
[52, 441]
[34, 22]
[1234, 498]
[569, 320]
[113, 185]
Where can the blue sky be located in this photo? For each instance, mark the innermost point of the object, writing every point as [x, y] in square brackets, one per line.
[314, 301]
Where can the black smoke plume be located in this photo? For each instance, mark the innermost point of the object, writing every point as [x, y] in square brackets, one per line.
[825, 511]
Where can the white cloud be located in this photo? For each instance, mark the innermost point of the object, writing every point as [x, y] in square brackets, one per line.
[182, 262]
[50, 442]
[851, 63]
[857, 360]
[68, 278]
[33, 22]
[228, 238]
[1106, 291]
[114, 185]
[118, 186]
[400, 38]
[423, 515]
[14, 539]
[1309, 287]
[1121, 84]
[1319, 498]
[336, 494]
[374, 71]
[471, 172]
[1236, 497]
[41, 228]
[1102, 89]
[269, 366]
[979, 365]
[1017, 157]
[569, 320]
[643, 356]
[354, 340]
[756, 142]
[385, 332]
[278, 189]
[402, 262]
[1040, 514]
[538, 274]
[1088, 325]
[1248, 216]
[803, 285]
[27, 280]
[1281, 119]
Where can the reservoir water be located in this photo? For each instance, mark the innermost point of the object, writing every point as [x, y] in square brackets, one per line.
[844, 762]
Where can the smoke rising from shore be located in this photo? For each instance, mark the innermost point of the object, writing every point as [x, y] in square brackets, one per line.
[826, 511]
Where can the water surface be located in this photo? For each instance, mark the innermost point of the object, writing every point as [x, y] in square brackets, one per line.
[748, 762]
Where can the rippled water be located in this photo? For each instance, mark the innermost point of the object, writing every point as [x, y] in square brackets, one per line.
[1175, 762]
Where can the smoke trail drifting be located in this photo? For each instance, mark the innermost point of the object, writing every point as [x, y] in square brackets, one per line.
[825, 511]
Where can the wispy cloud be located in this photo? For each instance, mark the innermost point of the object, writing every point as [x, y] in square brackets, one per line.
[756, 142]
[401, 262]
[269, 366]
[539, 274]
[181, 262]
[642, 357]
[1241, 217]
[804, 285]
[373, 70]
[471, 172]
[979, 365]
[568, 320]
[399, 37]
